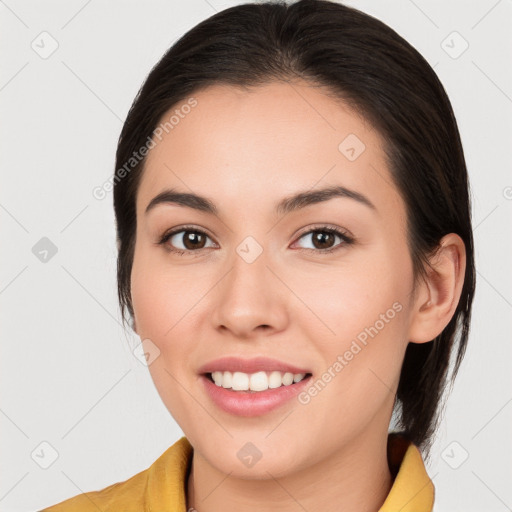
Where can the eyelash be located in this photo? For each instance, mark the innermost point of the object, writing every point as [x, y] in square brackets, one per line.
[347, 240]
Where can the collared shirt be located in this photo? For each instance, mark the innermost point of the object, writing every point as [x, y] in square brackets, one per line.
[162, 486]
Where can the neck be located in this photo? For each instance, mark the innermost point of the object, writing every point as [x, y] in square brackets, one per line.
[355, 478]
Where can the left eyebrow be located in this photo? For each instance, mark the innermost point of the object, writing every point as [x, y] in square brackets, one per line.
[306, 198]
[289, 204]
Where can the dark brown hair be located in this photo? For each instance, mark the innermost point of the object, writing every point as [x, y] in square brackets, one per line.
[367, 65]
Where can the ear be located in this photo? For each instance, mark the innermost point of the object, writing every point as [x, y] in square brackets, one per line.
[438, 294]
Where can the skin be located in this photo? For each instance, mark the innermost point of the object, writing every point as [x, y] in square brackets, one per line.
[246, 150]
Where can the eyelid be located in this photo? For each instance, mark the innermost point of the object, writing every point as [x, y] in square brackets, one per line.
[326, 227]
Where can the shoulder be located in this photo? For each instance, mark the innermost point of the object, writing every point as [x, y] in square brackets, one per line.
[127, 496]
[134, 494]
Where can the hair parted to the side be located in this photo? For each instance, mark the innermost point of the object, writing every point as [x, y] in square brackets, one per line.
[369, 67]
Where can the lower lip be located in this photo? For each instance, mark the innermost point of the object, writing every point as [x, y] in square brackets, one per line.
[246, 403]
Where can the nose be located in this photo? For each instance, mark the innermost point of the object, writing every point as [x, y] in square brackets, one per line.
[250, 300]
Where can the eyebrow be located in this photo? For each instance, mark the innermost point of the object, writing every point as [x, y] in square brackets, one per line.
[288, 204]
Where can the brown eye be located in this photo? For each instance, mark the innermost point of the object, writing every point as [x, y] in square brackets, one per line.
[323, 239]
[185, 240]
[193, 240]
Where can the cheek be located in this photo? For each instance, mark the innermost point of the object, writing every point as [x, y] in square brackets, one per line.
[159, 302]
[160, 294]
[362, 313]
[165, 302]
[343, 301]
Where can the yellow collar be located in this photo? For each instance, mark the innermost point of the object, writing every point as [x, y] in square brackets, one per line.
[412, 489]
[162, 486]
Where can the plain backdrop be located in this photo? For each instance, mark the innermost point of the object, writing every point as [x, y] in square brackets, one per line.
[78, 409]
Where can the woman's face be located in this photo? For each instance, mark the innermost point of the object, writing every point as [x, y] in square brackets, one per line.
[260, 282]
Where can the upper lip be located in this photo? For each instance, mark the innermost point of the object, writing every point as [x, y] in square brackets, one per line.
[237, 364]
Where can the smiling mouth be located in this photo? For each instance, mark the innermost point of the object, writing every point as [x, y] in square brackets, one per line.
[255, 382]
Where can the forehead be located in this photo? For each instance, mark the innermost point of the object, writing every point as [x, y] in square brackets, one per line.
[263, 143]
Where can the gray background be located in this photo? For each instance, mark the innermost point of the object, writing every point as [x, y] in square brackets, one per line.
[68, 374]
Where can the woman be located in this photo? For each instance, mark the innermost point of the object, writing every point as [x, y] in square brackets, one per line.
[296, 255]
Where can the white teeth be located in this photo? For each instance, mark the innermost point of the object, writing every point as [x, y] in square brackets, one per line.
[240, 381]
[297, 377]
[225, 381]
[217, 378]
[260, 381]
[287, 379]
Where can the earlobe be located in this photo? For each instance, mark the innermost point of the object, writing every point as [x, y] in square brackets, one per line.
[439, 293]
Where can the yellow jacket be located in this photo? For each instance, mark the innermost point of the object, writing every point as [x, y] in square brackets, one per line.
[162, 486]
